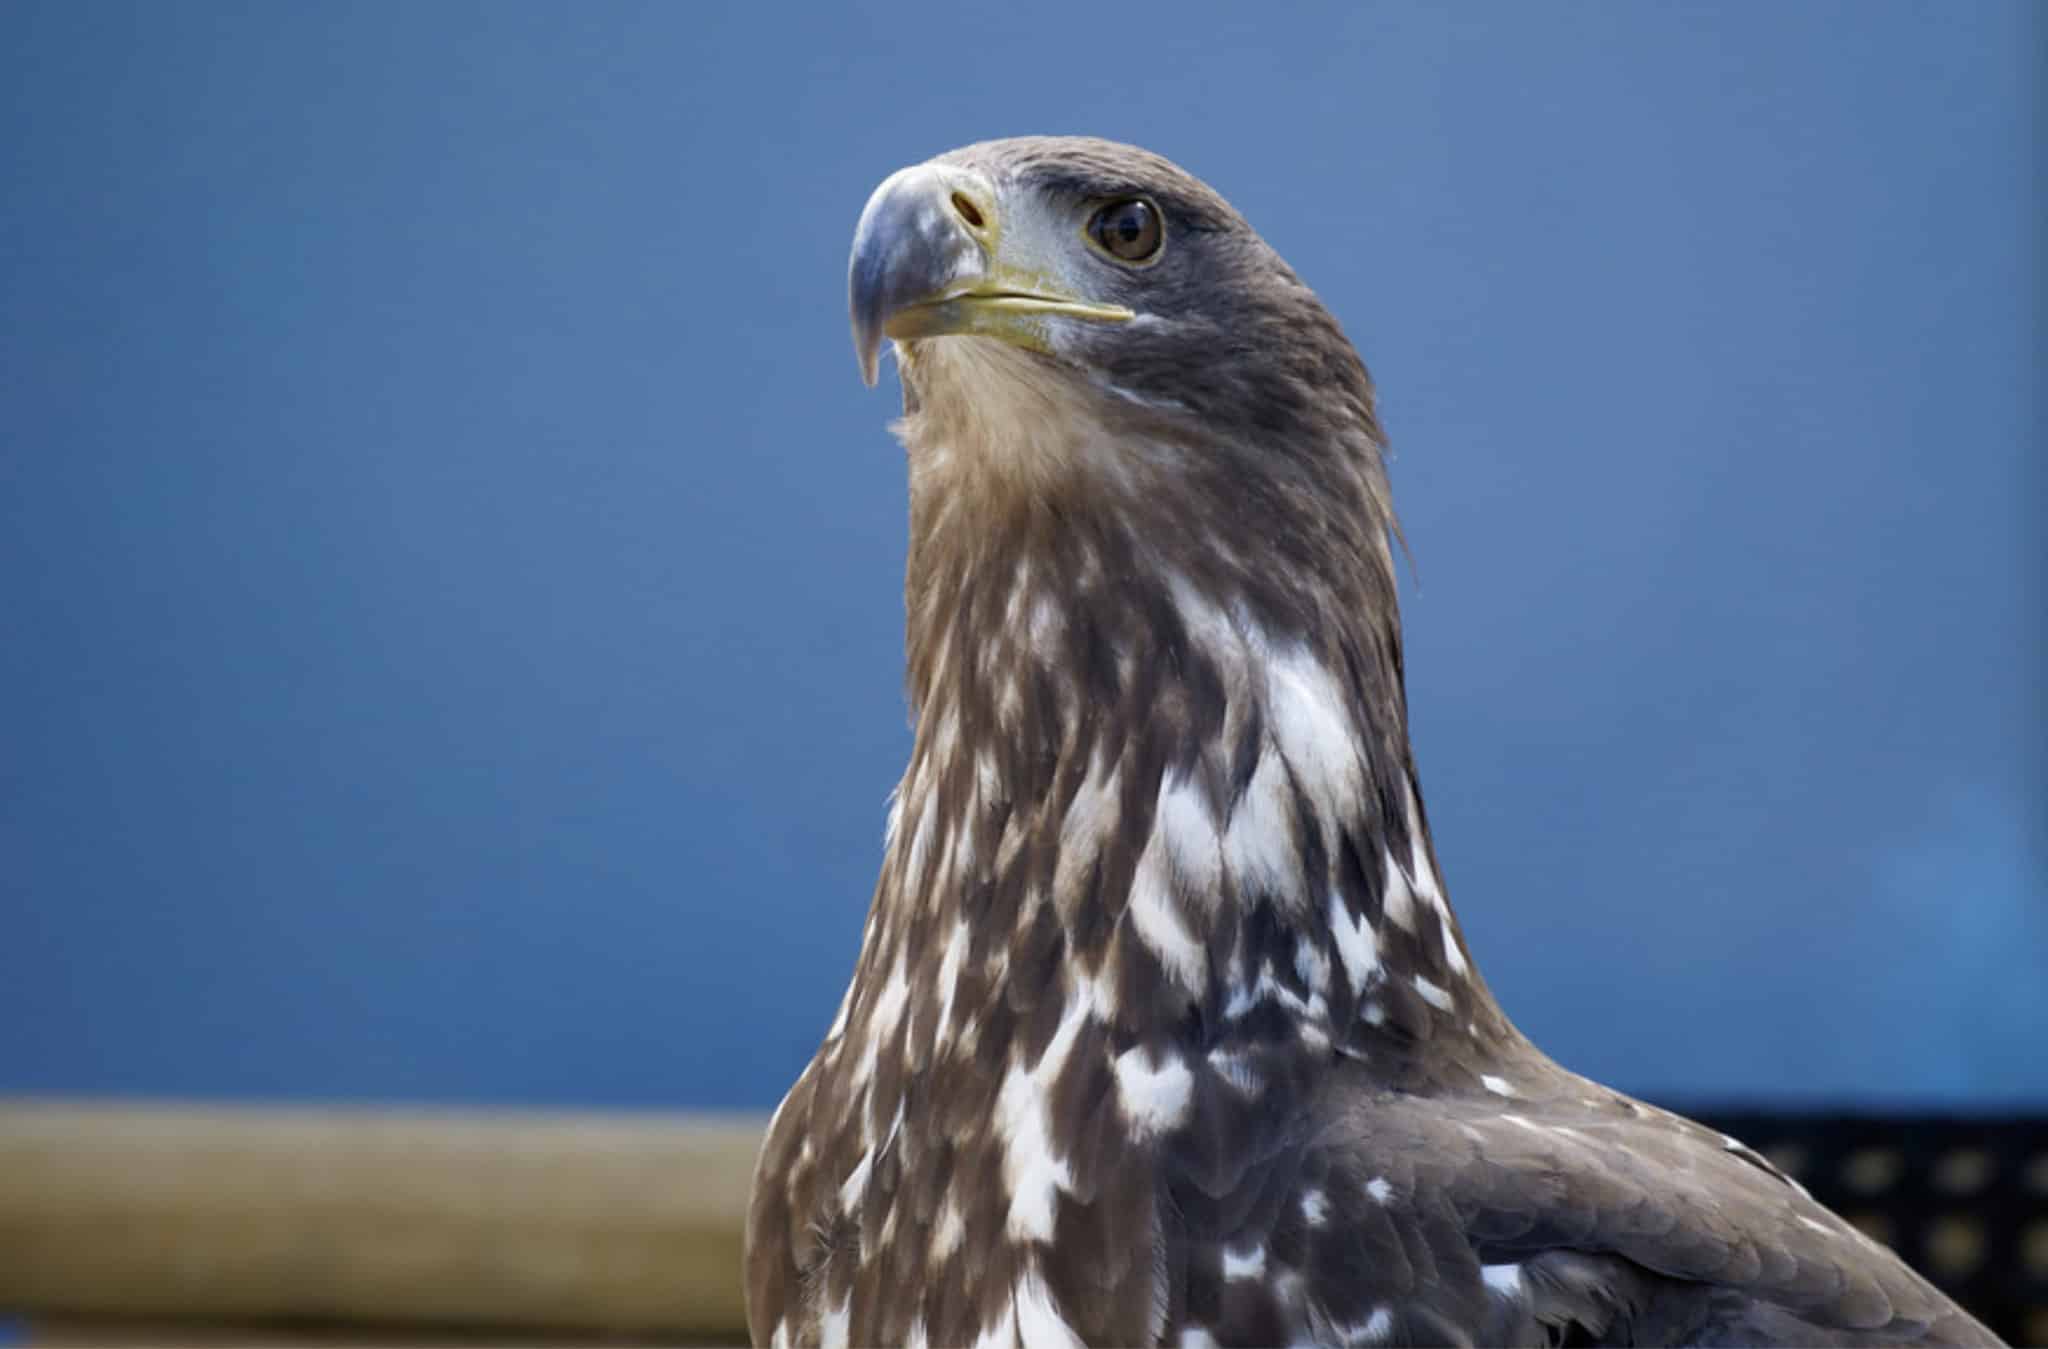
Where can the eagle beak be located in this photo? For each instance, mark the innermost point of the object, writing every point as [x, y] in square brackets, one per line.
[932, 258]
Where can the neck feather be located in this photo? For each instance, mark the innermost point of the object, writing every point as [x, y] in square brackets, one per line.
[1158, 881]
[1151, 782]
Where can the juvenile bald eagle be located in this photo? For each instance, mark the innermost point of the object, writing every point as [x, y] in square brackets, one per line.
[1162, 1029]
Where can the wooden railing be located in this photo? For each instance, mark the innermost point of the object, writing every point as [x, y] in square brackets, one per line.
[608, 1223]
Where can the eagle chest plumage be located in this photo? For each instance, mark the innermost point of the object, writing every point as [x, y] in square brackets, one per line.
[1162, 1028]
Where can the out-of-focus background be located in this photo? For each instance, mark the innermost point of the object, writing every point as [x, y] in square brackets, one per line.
[449, 568]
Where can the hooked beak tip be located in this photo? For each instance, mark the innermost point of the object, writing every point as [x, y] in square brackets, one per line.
[909, 244]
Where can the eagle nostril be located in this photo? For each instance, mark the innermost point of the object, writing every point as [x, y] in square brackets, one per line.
[967, 211]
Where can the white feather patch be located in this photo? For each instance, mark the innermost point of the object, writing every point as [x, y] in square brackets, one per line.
[1373, 1329]
[1421, 877]
[1454, 958]
[1234, 1069]
[1258, 845]
[1357, 944]
[1397, 901]
[920, 844]
[1039, 1321]
[1432, 994]
[1153, 1097]
[1089, 821]
[839, 1018]
[895, 817]
[1181, 852]
[1033, 1169]
[835, 1326]
[1310, 722]
[1312, 966]
[889, 1004]
[949, 980]
[1249, 1265]
[856, 1183]
[1182, 824]
[948, 1231]
[1000, 1333]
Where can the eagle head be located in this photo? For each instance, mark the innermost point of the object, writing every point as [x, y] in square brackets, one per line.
[1093, 342]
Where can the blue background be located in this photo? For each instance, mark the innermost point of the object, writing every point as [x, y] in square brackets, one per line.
[450, 572]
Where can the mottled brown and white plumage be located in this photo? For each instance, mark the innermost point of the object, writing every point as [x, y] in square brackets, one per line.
[1162, 1029]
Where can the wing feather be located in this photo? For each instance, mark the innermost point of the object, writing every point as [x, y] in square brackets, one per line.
[1639, 1219]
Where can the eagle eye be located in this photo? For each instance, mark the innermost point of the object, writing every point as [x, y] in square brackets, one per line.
[1128, 230]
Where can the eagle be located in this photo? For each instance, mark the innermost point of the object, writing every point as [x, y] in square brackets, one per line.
[1162, 1029]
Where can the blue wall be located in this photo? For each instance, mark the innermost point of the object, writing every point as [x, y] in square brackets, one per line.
[449, 568]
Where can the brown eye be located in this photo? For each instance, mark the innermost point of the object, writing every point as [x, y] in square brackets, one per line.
[1127, 230]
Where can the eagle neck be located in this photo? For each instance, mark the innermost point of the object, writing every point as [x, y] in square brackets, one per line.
[1157, 889]
[1140, 783]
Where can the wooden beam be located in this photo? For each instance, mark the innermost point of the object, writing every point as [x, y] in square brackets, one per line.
[617, 1223]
